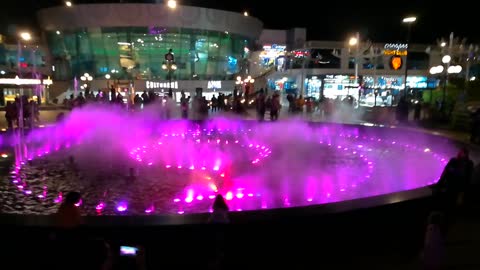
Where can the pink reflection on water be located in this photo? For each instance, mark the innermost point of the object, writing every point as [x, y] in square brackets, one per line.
[100, 206]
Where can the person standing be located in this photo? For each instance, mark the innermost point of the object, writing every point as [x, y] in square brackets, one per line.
[275, 107]
[260, 105]
[454, 182]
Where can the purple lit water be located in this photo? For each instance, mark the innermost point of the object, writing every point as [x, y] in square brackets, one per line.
[179, 167]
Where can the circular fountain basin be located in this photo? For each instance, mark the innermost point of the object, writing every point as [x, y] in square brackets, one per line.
[178, 167]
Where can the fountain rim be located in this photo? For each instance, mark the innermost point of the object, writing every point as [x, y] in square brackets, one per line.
[251, 215]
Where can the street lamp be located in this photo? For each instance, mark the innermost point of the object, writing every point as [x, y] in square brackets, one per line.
[409, 21]
[243, 83]
[446, 69]
[446, 59]
[68, 3]
[85, 78]
[26, 36]
[172, 4]
[170, 66]
[355, 42]
[245, 13]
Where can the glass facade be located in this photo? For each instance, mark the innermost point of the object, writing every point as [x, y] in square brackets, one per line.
[29, 56]
[139, 52]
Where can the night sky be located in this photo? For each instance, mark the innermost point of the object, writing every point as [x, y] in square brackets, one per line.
[380, 21]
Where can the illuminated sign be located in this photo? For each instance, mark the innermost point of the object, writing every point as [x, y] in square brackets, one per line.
[18, 81]
[396, 46]
[399, 49]
[214, 84]
[395, 52]
[396, 62]
[156, 85]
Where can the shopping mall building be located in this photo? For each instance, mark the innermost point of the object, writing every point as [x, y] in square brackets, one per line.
[125, 45]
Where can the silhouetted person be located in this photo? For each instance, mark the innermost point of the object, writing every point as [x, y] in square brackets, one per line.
[145, 98]
[417, 111]
[10, 114]
[113, 93]
[275, 107]
[220, 211]
[219, 216]
[260, 105]
[402, 110]
[475, 127]
[68, 215]
[454, 181]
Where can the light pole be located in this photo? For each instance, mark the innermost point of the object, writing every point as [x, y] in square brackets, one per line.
[170, 66]
[409, 21]
[24, 36]
[107, 76]
[244, 82]
[86, 78]
[446, 69]
[355, 42]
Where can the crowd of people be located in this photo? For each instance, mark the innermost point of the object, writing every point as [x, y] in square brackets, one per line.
[22, 112]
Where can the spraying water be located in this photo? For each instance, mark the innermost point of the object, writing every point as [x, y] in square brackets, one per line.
[136, 164]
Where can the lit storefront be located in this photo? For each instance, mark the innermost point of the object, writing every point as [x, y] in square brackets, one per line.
[313, 87]
[11, 88]
[273, 55]
[285, 85]
[339, 86]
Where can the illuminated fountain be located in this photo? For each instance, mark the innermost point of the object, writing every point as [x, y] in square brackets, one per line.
[135, 165]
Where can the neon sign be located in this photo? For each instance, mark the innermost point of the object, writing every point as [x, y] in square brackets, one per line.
[396, 62]
[396, 46]
[395, 52]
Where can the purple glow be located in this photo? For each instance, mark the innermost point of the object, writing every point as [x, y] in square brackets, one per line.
[122, 207]
[79, 203]
[354, 166]
[150, 210]
[100, 206]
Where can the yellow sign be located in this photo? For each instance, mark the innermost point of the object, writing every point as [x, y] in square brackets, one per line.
[395, 52]
[396, 62]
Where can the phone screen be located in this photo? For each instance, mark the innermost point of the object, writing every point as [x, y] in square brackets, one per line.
[128, 251]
